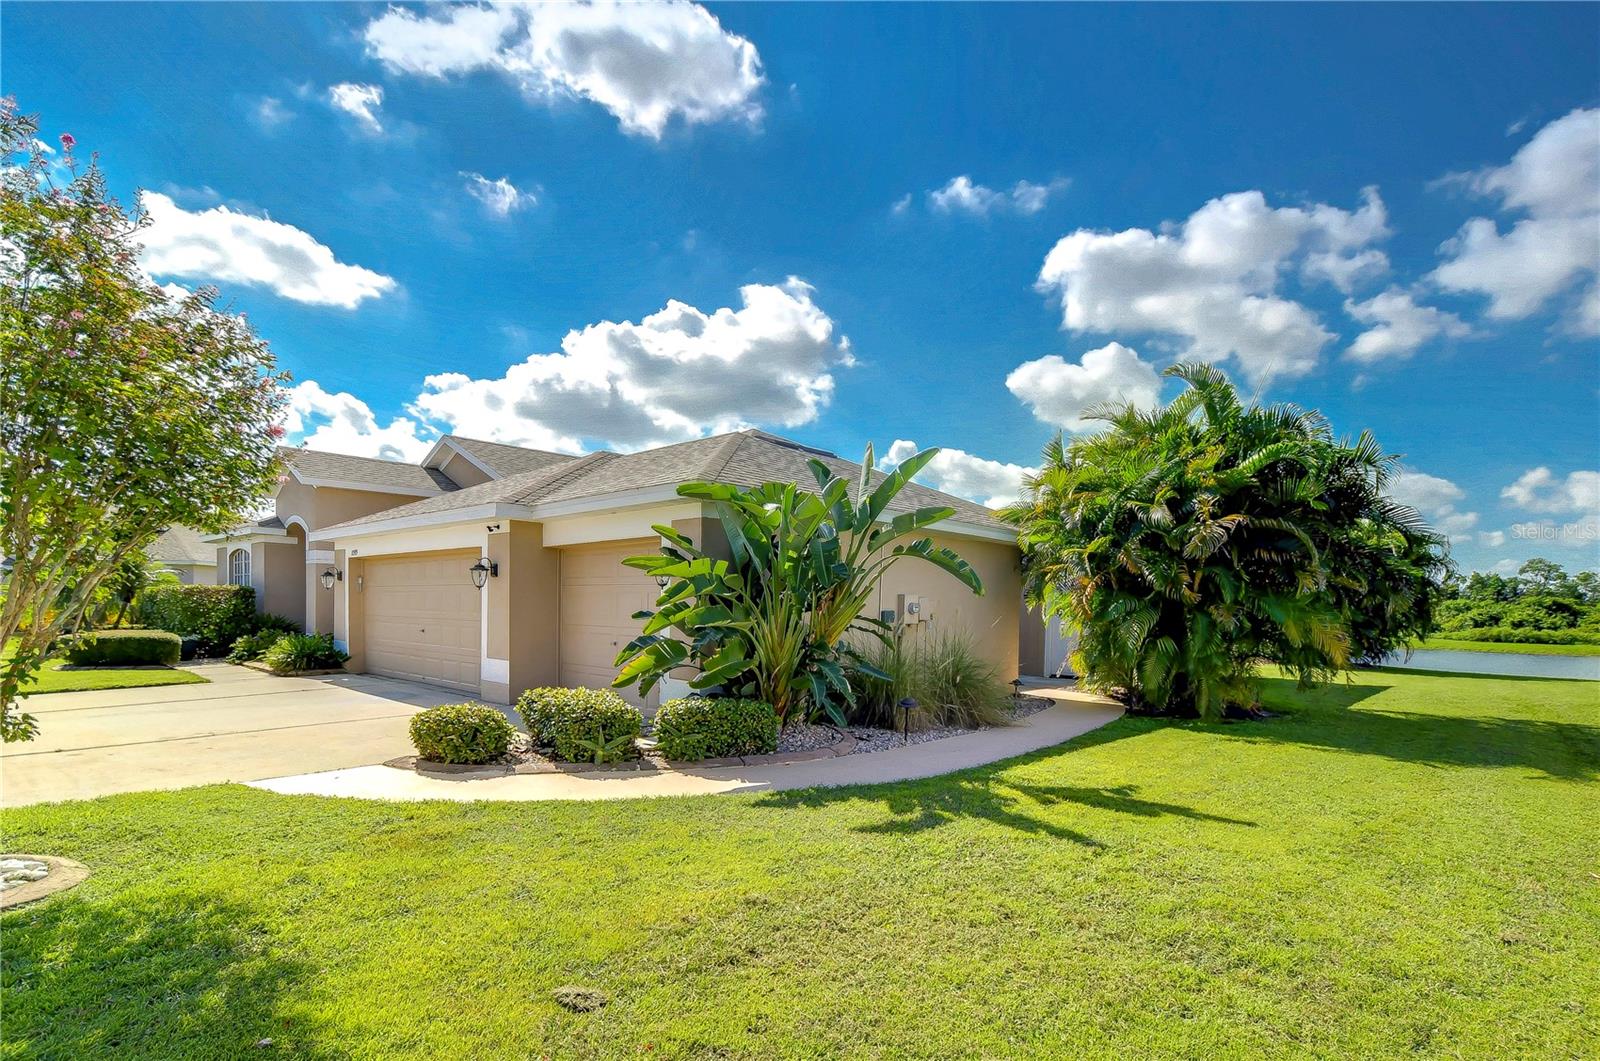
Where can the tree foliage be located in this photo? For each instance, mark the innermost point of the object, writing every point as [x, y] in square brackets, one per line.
[772, 621]
[123, 410]
[1190, 544]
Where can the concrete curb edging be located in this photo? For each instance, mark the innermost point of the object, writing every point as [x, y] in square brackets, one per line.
[465, 772]
[1073, 714]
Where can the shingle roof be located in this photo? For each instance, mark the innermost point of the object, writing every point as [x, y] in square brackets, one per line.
[370, 472]
[182, 545]
[506, 460]
[746, 458]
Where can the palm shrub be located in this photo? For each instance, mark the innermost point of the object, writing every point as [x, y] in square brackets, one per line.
[773, 622]
[295, 652]
[1189, 544]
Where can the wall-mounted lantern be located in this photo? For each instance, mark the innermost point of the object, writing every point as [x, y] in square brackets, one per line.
[328, 577]
[483, 571]
[662, 580]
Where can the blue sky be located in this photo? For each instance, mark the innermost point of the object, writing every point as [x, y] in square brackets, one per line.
[953, 225]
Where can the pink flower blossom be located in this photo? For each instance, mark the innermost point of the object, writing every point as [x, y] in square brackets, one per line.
[69, 141]
[276, 431]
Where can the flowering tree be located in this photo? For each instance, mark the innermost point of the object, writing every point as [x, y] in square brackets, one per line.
[122, 410]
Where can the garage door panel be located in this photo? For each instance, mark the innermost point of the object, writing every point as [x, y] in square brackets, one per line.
[423, 619]
[598, 599]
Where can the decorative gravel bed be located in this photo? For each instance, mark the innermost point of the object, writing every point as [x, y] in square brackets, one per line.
[871, 739]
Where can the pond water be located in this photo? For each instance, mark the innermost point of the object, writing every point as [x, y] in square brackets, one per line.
[1510, 663]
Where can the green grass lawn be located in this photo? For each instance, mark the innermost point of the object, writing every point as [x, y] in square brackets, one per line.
[1402, 866]
[52, 679]
[1503, 646]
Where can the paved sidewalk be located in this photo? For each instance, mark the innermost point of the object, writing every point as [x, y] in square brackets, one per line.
[243, 726]
[1074, 713]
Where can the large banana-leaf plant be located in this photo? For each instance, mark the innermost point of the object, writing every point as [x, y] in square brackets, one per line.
[775, 617]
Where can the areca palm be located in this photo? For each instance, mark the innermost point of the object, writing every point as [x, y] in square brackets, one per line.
[1190, 543]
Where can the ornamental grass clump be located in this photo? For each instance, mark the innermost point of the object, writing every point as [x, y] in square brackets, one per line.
[707, 727]
[299, 652]
[461, 733]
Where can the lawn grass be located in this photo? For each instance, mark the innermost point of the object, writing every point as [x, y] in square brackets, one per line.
[52, 679]
[1401, 866]
[1509, 646]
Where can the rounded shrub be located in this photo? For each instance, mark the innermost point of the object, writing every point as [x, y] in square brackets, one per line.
[703, 727]
[461, 733]
[125, 648]
[575, 722]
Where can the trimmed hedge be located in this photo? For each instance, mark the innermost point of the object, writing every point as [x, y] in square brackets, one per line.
[1516, 635]
[461, 733]
[216, 615]
[561, 718]
[702, 727]
[126, 648]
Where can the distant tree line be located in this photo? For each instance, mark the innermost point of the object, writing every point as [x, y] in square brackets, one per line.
[1541, 596]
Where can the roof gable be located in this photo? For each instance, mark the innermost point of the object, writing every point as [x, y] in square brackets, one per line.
[315, 467]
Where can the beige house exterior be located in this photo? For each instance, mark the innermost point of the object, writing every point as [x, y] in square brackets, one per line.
[398, 542]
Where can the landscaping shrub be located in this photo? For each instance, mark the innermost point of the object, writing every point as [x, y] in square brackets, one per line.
[191, 647]
[125, 648]
[1523, 636]
[216, 615]
[566, 720]
[461, 733]
[254, 646]
[292, 652]
[701, 727]
[945, 674]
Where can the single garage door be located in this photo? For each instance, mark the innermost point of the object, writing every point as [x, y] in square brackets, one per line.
[423, 619]
[598, 599]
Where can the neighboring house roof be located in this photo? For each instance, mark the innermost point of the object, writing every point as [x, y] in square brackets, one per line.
[318, 468]
[271, 526]
[182, 546]
[497, 458]
[745, 458]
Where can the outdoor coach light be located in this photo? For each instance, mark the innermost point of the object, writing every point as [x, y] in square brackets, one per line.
[662, 580]
[483, 571]
[328, 576]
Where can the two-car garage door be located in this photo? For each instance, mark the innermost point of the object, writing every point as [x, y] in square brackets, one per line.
[423, 619]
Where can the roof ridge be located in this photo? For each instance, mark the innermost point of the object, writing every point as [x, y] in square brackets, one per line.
[723, 455]
[566, 473]
[348, 456]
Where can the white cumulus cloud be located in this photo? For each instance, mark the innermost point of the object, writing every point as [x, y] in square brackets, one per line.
[1213, 281]
[221, 245]
[645, 63]
[1541, 490]
[499, 197]
[343, 423]
[1399, 325]
[361, 102]
[1435, 499]
[988, 482]
[677, 374]
[1553, 185]
[963, 196]
[1060, 392]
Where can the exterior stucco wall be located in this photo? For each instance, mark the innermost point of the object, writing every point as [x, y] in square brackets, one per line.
[993, 621]
[192, 574]
[324, 506]
[524, 609]
[278, 570]
[1031, 642]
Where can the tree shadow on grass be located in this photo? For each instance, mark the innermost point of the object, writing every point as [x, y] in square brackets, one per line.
[181, 975]
[919, 806]
[1321, 718]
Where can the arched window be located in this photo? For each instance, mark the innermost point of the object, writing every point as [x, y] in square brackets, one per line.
[239, 567]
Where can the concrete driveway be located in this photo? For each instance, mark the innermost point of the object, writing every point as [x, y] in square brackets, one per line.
[244, 726]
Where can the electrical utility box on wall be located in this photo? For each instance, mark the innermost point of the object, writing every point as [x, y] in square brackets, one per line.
[911, 609]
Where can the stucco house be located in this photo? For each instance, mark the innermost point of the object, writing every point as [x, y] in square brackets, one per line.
[381, 554]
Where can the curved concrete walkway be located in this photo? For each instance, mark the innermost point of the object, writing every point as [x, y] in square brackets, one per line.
[1074, 713]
